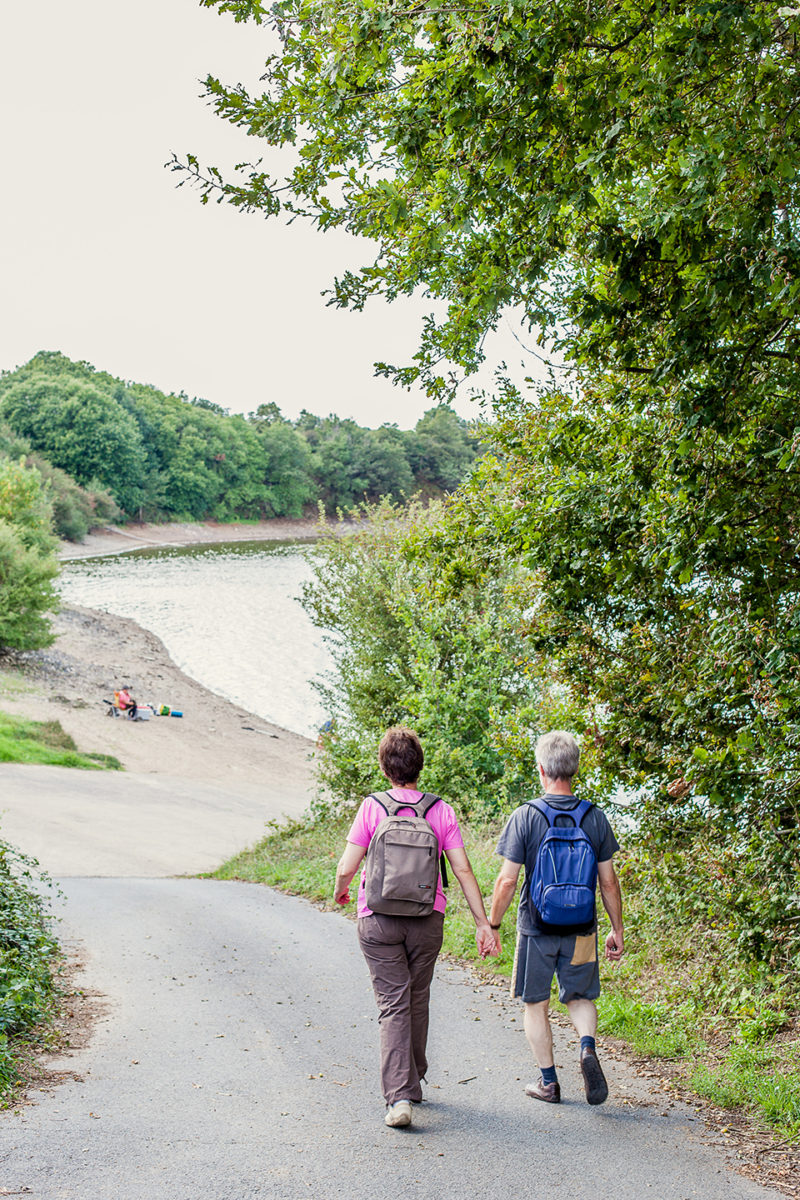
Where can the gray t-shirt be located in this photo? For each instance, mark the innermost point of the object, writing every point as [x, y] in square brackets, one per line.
[520, 840]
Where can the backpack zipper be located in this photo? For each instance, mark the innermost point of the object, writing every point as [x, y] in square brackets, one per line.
[553, 861]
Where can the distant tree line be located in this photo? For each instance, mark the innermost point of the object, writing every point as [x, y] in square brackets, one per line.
[109, 448]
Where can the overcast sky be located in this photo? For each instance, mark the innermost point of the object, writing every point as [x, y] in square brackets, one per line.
[103, 258]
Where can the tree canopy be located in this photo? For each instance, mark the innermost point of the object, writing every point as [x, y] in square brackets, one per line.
[624, 174]
[624, 177]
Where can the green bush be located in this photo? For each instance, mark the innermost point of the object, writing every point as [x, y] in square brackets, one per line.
[436, 647]
[27, 950]
[27, 561]
[732, 927]
[76, 510]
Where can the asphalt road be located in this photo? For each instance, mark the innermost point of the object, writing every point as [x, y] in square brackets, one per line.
[237, 1058]
[121, 823]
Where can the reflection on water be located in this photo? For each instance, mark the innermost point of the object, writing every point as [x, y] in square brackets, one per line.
[228, 614]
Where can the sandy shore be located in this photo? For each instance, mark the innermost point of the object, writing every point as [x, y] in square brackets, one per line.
[116, 539]
[215, 741]
[196, 788]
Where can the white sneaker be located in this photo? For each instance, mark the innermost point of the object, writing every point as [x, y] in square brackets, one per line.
[399, 1113]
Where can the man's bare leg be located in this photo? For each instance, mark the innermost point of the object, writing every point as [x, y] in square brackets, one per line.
[540, 1040]
[539, 1033]
[583, 1014]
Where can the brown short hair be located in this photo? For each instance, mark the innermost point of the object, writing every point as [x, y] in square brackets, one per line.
[400, 755]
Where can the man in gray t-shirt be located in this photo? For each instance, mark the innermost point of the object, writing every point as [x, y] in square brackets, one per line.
[569, 952]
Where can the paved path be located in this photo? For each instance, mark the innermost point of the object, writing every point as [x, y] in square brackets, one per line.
[117, 823]
[237, 1056]
[238, 1059]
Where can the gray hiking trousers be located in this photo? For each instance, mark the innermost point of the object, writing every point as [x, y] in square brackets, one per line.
[401, 953]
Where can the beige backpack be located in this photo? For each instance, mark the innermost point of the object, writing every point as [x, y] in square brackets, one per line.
[402, 864]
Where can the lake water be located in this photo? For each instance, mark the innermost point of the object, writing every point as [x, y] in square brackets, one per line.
[229, 616]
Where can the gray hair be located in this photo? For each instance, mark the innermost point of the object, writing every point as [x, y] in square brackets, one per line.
[558, 754]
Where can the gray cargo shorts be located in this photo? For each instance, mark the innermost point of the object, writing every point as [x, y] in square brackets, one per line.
[572, 958]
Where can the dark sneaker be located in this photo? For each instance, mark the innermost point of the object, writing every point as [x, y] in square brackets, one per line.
[549, 1092]
[593, 1078]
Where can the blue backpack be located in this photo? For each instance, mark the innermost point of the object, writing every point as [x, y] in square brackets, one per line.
[564, 876]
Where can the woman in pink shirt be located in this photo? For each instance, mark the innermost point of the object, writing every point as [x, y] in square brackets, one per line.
[126, 702]
[401, 951]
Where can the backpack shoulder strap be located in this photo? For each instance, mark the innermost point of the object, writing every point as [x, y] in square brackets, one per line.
[544, 808]
[427, 802]
[582, 811]
[385, 801]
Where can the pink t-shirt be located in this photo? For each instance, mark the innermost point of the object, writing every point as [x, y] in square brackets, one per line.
[441, 818]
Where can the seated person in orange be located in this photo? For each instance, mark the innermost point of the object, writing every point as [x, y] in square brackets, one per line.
[126, 702]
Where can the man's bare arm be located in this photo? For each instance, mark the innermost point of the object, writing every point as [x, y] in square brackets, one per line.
[611, 895]
[504, 888]
[462, 868]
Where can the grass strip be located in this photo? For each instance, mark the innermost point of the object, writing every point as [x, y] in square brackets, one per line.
[46, 742]
[750, 1066]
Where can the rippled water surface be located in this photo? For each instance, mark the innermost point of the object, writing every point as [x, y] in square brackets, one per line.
[229, 616]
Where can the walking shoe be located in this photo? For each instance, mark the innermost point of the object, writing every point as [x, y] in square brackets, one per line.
[549, 1092]
[399, 1113]
[594, 1080]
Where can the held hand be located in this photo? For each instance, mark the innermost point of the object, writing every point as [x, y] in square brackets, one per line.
[487, 941]
[615, 945]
